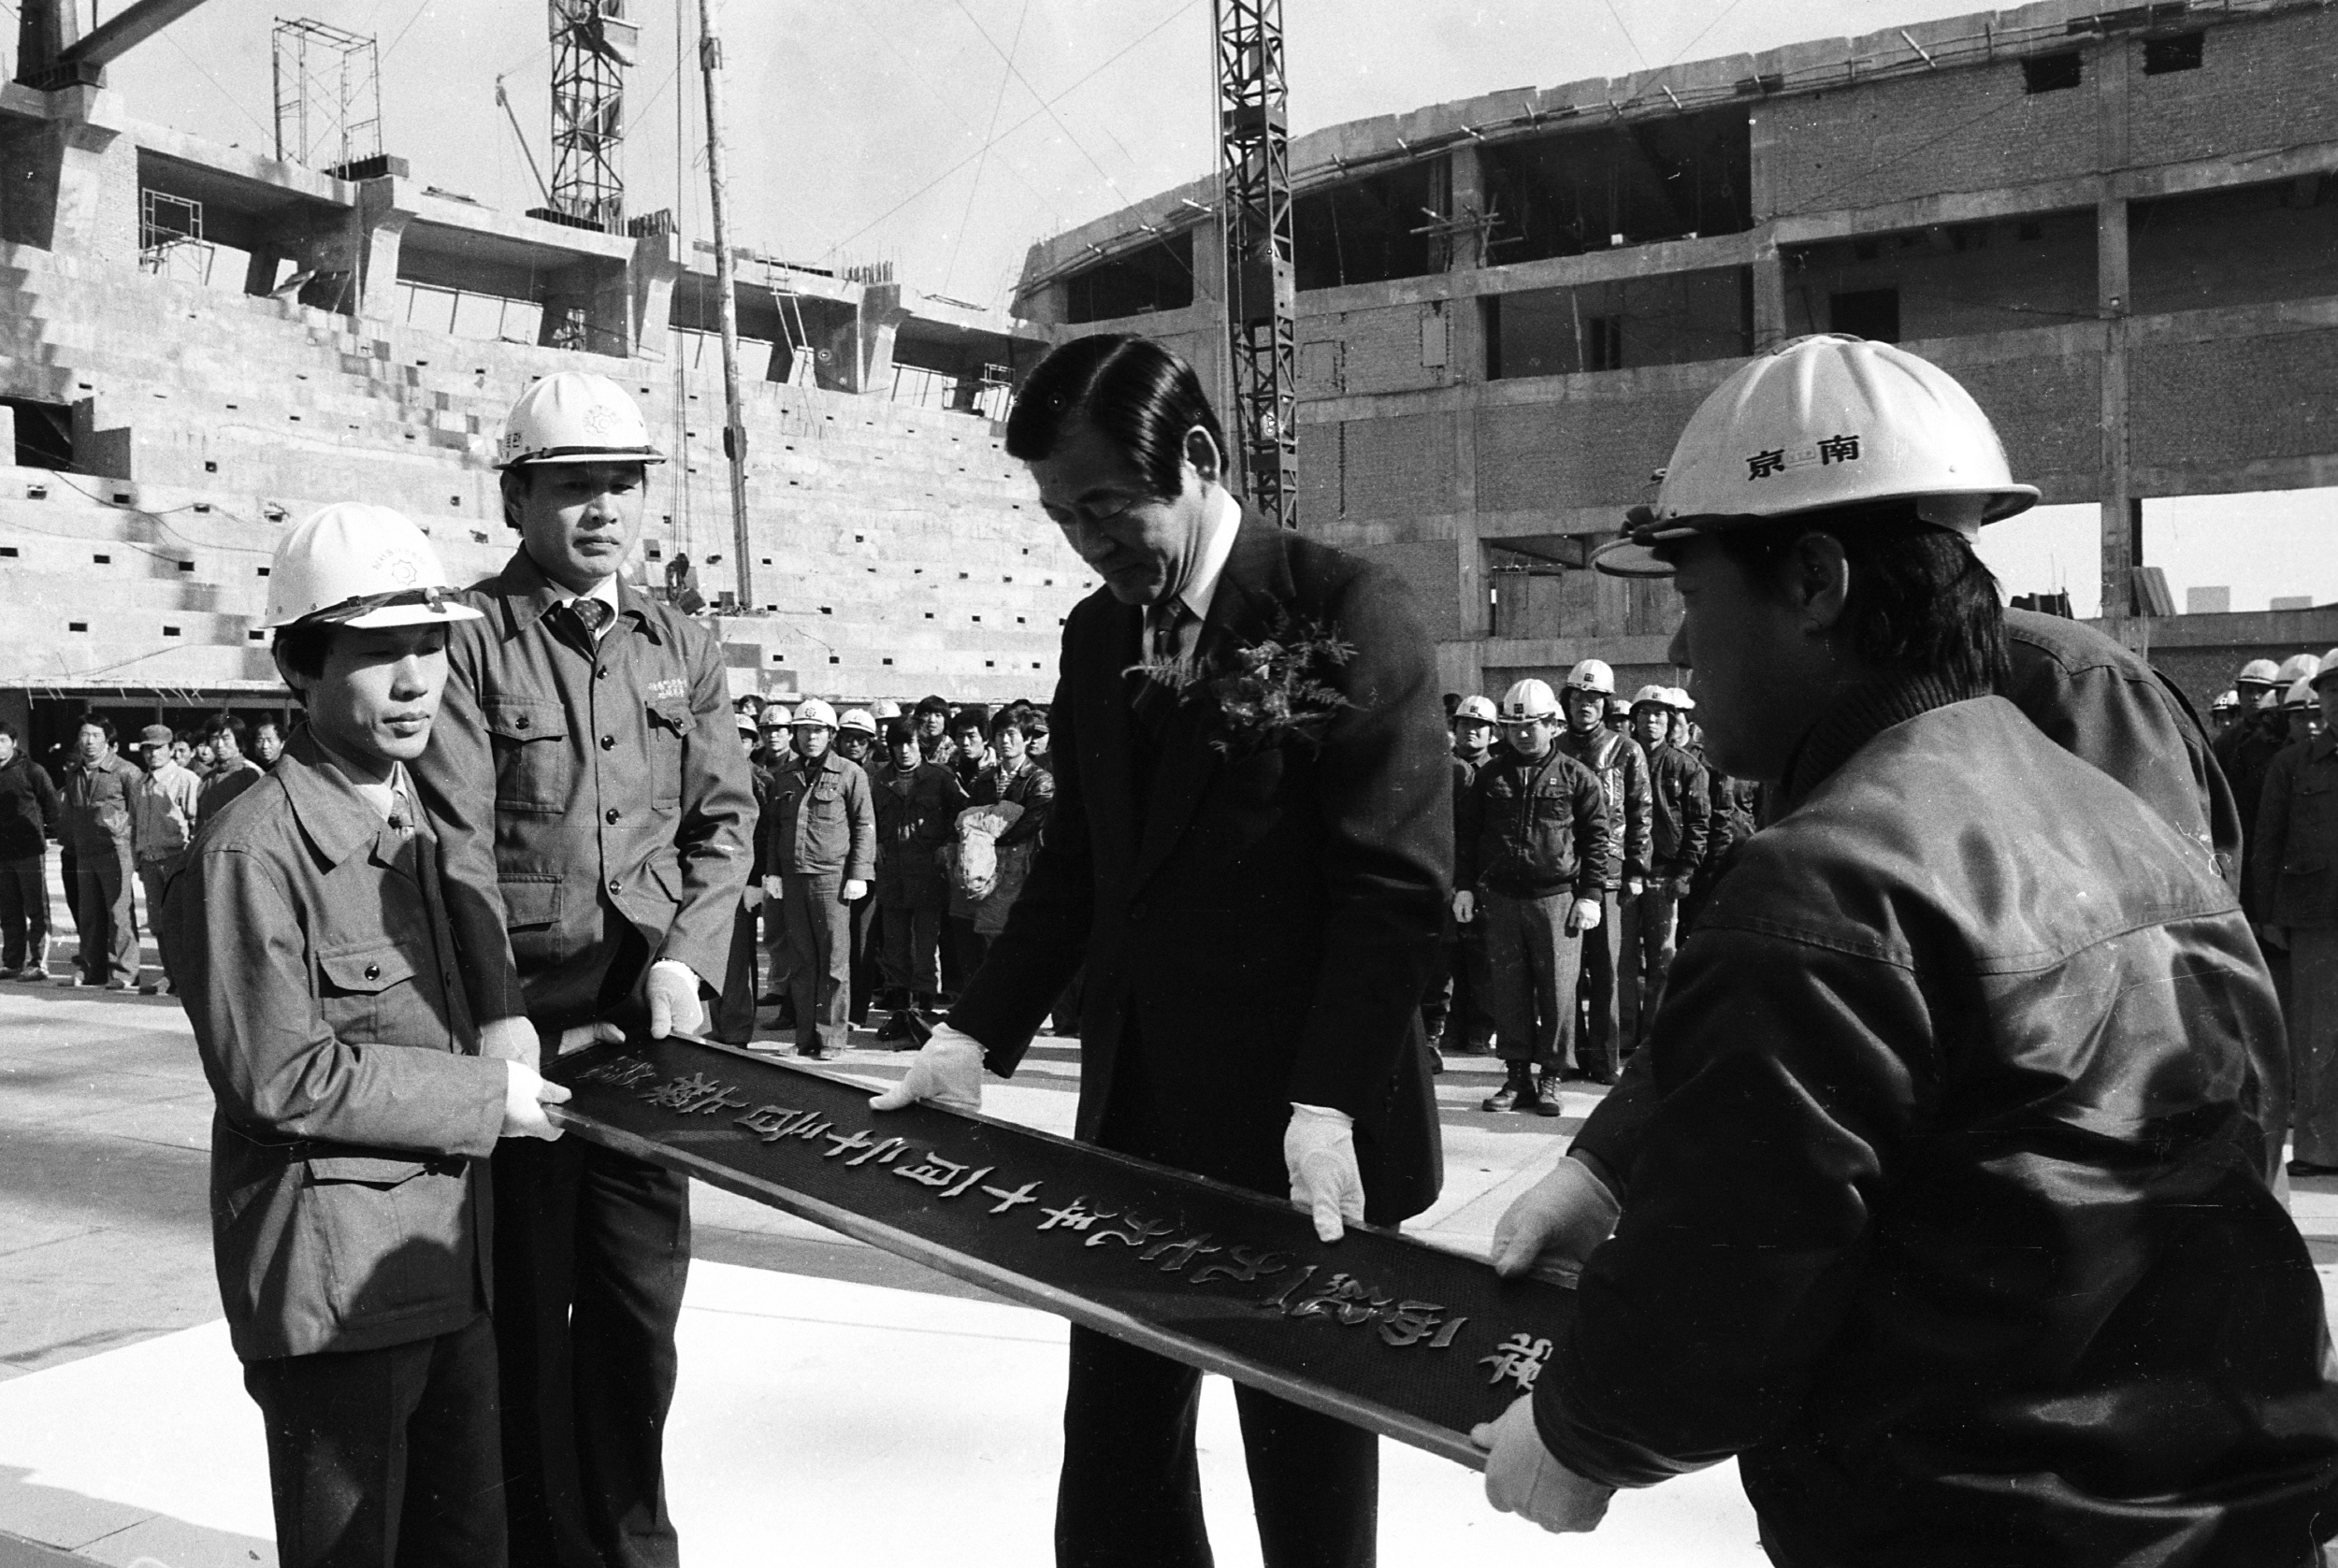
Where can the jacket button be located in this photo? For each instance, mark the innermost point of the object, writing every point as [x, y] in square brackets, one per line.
[608, 742]
[615, 886]
[519, 721]
[610, 815]
[602, 672]
[373, 972]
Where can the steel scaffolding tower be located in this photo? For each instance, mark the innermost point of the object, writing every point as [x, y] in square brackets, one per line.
[592, 45]
[328, 95]
[1254, 143]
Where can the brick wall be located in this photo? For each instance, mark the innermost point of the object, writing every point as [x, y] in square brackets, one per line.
[2266, 83]
[1379, 351]
[1998, 281]
[1432, 571]
[1395, 468]
[1585, 451]
[2048, 412]
[2233, 400]
[2180, 251]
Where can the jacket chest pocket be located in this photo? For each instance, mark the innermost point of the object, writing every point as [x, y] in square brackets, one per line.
[534, 769]
[667, 721]
[363, 991]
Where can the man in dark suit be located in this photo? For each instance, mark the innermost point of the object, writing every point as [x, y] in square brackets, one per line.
[1257, 913]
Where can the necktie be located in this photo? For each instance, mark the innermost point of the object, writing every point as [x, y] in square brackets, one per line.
[1168, 621]
[592, 614]
[401, 823]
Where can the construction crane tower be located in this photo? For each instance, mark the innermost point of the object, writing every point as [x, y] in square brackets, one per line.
[1254, 158]
[592, 46]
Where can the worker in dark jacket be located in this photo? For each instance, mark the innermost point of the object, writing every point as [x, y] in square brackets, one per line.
[1950, 1222]
[2297, 870]
[100, 801]
[1680, 808]
[916, 815]
[819, 853]
[30, 807]
[1621, 767]
[1531, 848]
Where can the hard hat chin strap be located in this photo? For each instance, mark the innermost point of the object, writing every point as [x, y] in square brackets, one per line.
[366, 604]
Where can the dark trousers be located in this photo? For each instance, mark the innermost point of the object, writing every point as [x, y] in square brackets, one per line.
[913, 942]
[867, 932]
[732, 1018]
[1531, 967]
[1603, 951]
[377, 1457]
[1469, 1023]
[24, 911]
[106, 914]
[591, 1251]
[1131, 1493]
[819, 946]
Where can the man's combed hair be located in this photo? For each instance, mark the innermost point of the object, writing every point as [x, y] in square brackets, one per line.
[1137, 395]
[303, 647]
[1921, 603]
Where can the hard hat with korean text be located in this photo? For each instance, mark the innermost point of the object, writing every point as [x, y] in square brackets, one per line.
[575, 416]
[1529, 698]
[1480, 709]
[1820, 423]
[355, 564]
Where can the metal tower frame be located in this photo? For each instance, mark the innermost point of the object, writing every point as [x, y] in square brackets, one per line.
[592, 44]
[1254, 160]
[328, 94]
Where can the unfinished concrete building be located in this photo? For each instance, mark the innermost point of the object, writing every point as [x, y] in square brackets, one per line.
[2119, 229]
[199, 344]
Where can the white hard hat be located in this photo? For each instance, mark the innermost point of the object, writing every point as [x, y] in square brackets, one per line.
[813, 711]
[1529, 699]
[1591, 675]
[1678, 696]
[857, 718]
[2298, 667]
[1820, 423]
[783, 719]
[2301, 694]
[1659, 696]
[2327, 668]
[887, 709]
[2226, 701]
[746, 725]
[1477, 708]
[353, 565]
[574, 416]
[2259, 673]
[2268, 699]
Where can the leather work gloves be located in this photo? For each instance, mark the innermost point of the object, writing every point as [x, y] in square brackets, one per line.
[1320, 1152]
[946, 1071]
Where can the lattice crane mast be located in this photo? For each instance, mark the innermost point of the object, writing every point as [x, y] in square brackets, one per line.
[1254, 161]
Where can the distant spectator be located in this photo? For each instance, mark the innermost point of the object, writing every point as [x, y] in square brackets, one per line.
[932, 720]
[163, 810]
[232, 773]
[203, 759]
[29, 809]
[268, 742]
[916, 815]
[682, 586]
[181, 751]
[819, 857]
[97, 804]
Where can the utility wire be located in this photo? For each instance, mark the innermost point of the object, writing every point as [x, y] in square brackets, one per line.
[408, 28]
[998, 101]
[1110, 184]
[1109, 61]
[266, 129]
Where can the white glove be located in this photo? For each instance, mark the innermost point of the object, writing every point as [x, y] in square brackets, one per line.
[946, 1071]
[1464, 906]
[1563, 1216]
[672, 990]
[1584, 916]
[752, 896]
[771, 888]
[856, 890]
[1634, 887]
[1522, 1478]
[525, 1095]
[1320, 1152]
[511, 1040]
[600, 1032]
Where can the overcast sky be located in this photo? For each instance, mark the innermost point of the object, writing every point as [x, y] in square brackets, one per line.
[945, 135]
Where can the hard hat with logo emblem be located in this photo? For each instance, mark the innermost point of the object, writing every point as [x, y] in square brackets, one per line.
[777, 716]
[2225, 702]
[1591, 675]
[814, 712]
[1477, 708]
[2296, 667]
[2259, 673]
[2327, 668]
[1529, 698]
[1658, 697]
[1679, 698]
[355, 565]
[1817, 424]
[2301, 694]
[857, 719]
[575, 416]
[886, 709]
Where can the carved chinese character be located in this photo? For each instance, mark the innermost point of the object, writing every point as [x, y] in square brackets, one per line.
[1248, 1266]
[1519, 1359]
[1132, 1231]
[1343, 1296]
[932, 1171]
[719, 1099]
[1762, 463]
[884, 1154]
[625, 1072]
[847, 1142]
[697, 1093]
[1176, 1255]
[771, 1123]
[1280, 1300]
[971, 1179]
[1410, 1322]
[1074, 1216]
[1016, 1199]
[1837, 448]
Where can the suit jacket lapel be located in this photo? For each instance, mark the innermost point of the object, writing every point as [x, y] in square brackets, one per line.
[1252, 589]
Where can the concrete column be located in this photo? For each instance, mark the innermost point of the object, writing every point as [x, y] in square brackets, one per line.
[44, 30]
[381, 230]
[1769, 292]
[259, 273]
[2121, 523]
[1210, 306]
[609, 309]
[72, 184]
[1465, 362]
[881, 317]
[656, 268]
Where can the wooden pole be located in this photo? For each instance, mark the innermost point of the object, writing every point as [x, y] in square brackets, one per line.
[726, 297]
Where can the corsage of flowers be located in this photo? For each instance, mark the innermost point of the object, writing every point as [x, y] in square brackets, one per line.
[1263, 694]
